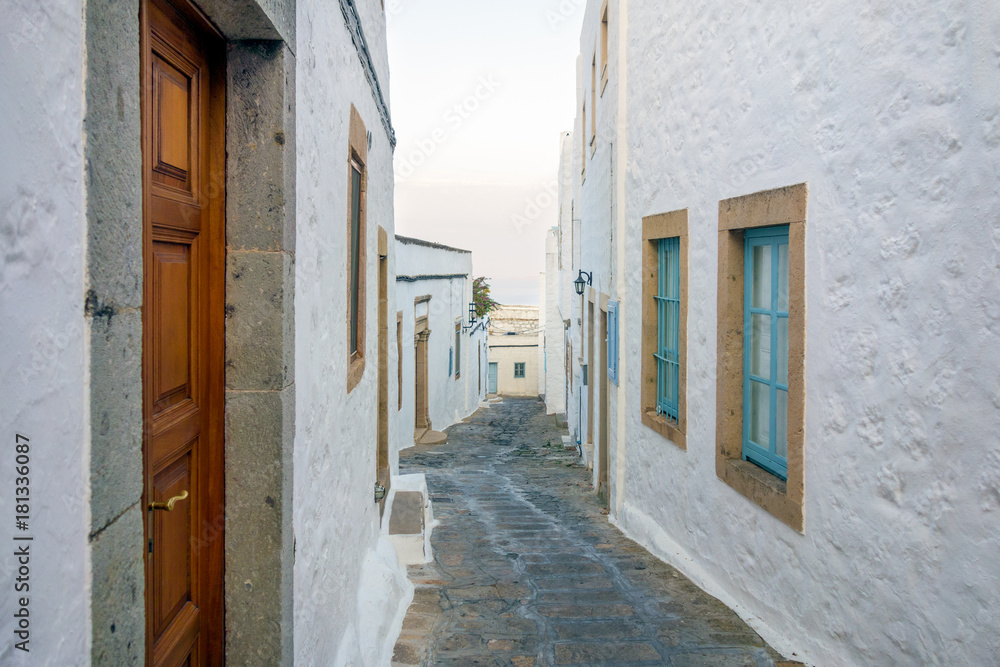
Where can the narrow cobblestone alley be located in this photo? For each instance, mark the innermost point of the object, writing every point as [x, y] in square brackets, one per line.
[528, 571]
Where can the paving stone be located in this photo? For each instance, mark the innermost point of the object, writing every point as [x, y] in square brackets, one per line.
[617, 629]
[587, 611]
[528, 571]
[560, 569]
[615, 653]
[581, 597]
[707, 658]
[573, 583]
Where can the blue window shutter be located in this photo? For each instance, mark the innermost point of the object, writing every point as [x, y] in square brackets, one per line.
[668, 307]
[765, 349]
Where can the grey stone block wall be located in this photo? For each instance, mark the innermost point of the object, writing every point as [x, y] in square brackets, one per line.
[253, 19]
[118, 604]
[113, 303]
[260, 330]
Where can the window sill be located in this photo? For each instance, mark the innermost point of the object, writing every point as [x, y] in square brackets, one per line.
[667, 428]
[355, 371]
[763, 488]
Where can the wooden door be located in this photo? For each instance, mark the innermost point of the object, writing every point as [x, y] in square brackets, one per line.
[491, 379]
[588, 380]
[183, 114]
[422, 420]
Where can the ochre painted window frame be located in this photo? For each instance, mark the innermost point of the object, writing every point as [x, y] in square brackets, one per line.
[604, 47]
[785, 500]
[357, 158]
[654, 228]
[583, 141]
[593, 104]
[399, 360]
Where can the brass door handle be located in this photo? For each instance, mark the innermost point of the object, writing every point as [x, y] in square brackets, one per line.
[169, 505]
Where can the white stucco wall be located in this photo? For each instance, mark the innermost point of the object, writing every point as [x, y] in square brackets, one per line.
[43, 338]
[891, 114]
[542, 307]
[554, 370]
[446, 276]
[568, 300]
[594, 234]
[350, 593]
[45, 359]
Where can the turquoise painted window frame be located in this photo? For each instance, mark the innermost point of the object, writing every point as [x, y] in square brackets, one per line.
[520, 373]
[668, 307]
[771, 317]
[613, 342]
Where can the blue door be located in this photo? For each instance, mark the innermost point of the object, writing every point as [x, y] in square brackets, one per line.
[491, 383]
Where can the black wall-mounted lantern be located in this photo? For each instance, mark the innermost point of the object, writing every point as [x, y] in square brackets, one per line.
[581, 283]
[472, 317]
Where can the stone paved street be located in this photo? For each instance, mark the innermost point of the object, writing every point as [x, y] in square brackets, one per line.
[528, 571]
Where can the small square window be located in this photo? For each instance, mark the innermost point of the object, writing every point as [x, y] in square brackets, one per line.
[518, 371]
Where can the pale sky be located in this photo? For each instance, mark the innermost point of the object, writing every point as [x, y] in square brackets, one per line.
[480, 92]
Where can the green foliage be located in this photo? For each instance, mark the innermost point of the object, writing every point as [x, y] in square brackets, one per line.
[481, 297]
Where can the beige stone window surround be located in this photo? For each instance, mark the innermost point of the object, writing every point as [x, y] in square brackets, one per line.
[604, 47]
[593, 104]
[357, 160]
[654, 228]
[583, 141]
[783, 206]
[399, 360]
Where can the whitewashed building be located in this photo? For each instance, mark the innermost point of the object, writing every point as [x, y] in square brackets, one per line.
[801, 384]
[197, 256]
[553, 330]
[441, 346]
[514, 362]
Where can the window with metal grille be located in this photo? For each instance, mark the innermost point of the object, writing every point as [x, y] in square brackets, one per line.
[668, 307]
[518, 370]
[765, 348]
[355, 252]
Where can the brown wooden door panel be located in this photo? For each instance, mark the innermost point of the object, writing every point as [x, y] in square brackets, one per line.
[176, 646]
[176, 87]
[172, 544]
[174, 294]
[183, 338]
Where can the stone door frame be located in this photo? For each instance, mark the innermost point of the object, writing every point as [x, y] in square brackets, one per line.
[259, 410]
